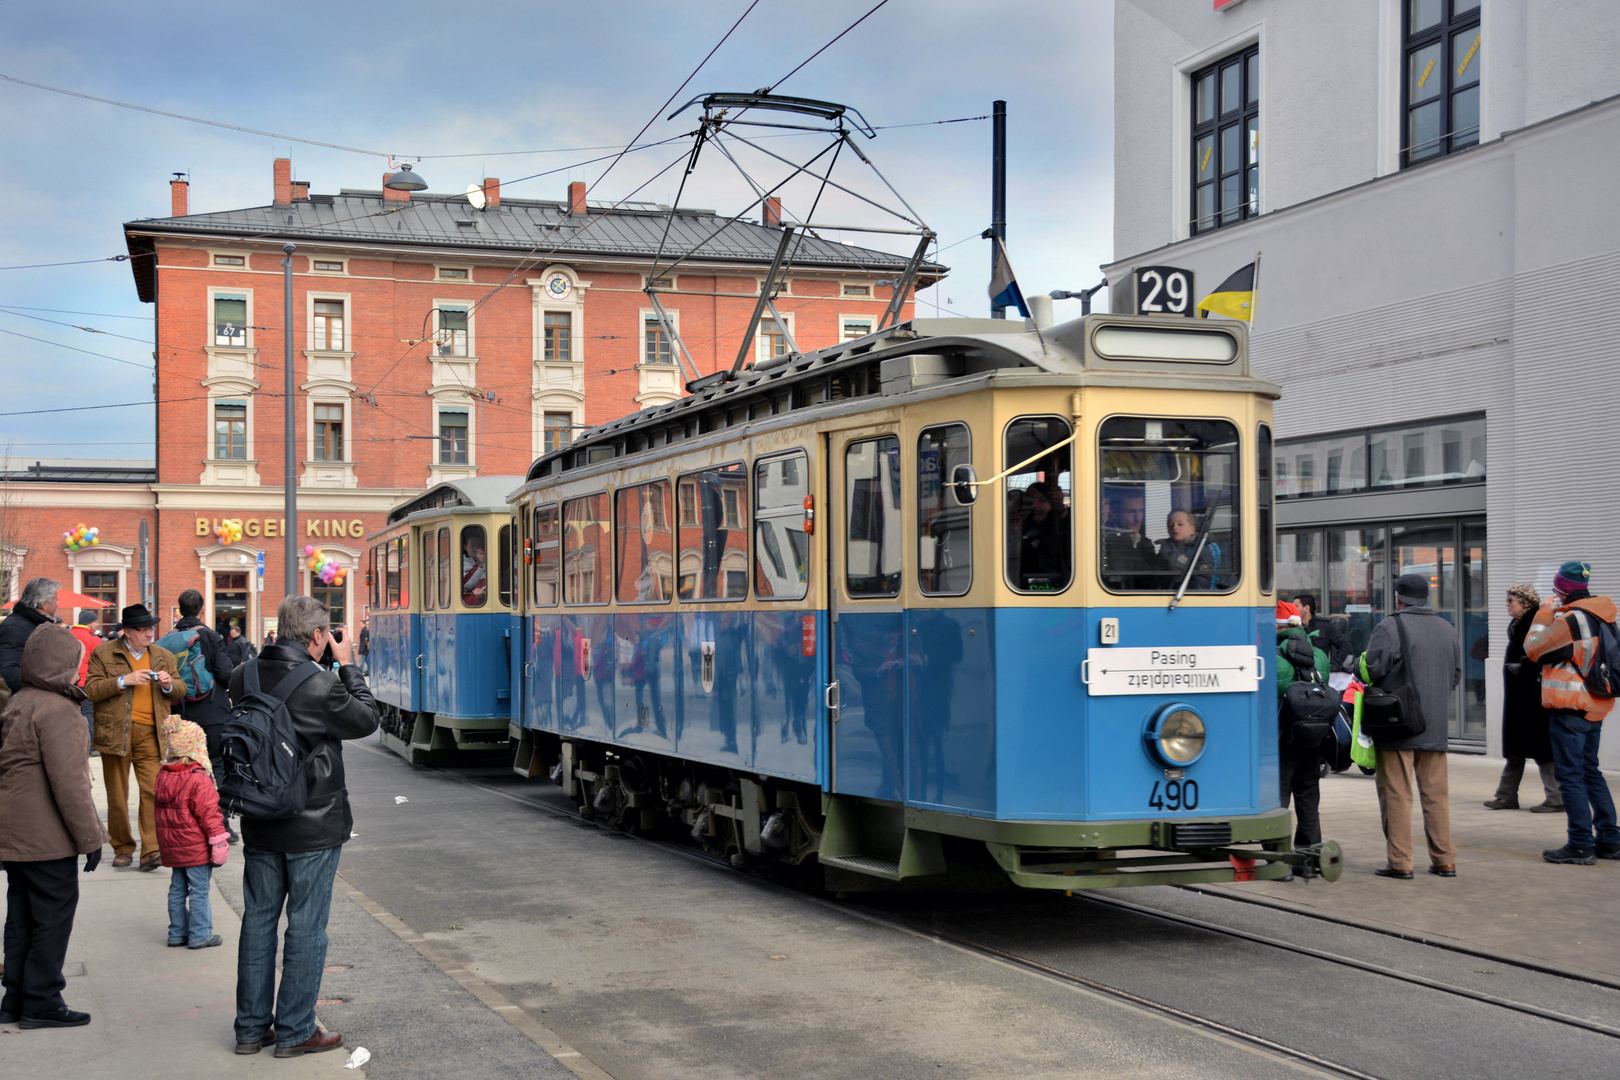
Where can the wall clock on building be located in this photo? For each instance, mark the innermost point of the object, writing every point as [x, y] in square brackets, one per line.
[558, 286]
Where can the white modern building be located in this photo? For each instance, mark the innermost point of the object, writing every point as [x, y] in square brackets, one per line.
[1433, 190]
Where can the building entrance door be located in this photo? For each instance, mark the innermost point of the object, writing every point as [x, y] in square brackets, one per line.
[1451, 555]
[230, 602]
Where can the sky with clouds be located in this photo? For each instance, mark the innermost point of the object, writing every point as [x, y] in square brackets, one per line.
[495, 82]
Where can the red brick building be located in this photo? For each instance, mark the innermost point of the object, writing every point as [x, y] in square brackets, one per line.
[433, 339]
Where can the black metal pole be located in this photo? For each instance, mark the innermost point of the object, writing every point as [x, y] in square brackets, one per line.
[998, 188]
[290, 436]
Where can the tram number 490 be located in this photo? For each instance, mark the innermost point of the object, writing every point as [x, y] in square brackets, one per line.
[1174, 795]
[1164, 290]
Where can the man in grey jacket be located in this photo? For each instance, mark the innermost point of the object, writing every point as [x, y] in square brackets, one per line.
[1433, 669]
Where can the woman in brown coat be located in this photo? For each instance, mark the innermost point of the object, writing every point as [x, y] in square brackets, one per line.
[47, 819]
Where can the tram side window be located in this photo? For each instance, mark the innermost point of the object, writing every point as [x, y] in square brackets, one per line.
[474, 565]
[508, 551]
[373, 581]
[645, 556]
[430, 565]
[713, 528]
[545, 555]
[442, 581]
[1038, 499]
[391, 573]
[944, 529]
[1267, 492]
[1170, 497]
[404, 546]
[781, 546]
[585, 546]
[873, 539]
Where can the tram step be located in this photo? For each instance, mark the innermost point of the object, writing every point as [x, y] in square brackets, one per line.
[871, 865]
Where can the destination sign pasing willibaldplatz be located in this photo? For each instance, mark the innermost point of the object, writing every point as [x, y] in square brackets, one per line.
[1193, 669]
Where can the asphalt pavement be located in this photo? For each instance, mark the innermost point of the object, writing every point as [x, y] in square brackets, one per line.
[479, 932]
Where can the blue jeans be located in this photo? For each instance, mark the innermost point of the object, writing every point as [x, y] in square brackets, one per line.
[303, 883]
[1586, 794]
[197, 925]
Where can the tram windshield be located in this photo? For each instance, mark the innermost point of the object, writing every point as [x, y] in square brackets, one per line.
[1169, 504]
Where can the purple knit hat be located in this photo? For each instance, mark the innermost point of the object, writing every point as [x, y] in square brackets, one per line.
[1573, 577]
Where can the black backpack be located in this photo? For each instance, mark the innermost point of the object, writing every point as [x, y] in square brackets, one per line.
[1308, 707]
[1602, 676]
[261, 771]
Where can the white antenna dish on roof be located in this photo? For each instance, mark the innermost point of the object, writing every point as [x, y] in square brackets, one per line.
[476, 196]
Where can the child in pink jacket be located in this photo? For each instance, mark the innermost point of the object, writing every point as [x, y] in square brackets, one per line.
[191, 833]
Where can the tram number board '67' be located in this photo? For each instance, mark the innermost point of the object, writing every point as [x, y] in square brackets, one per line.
[1188, 669]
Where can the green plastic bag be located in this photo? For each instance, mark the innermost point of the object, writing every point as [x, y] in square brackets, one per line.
[1362, 751]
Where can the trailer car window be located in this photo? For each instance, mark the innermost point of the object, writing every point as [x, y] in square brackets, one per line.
[1170, 495]
[713, 507]
[404, 546]
[545, 555]
[1038, 499]
[585, 545]
[430, 562]
[474, 566]
[391, 573]
[944, 529]
[508, 551]
[873, 536]
[444, 571]
[645, 547]
[781, 546]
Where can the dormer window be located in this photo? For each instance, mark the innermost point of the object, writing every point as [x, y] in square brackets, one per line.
[454, 273]
[230, 260]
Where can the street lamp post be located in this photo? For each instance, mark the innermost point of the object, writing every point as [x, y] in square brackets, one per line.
[290, 530]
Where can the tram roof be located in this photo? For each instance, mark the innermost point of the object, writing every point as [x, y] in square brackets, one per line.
[1149, 350]
[478, 492]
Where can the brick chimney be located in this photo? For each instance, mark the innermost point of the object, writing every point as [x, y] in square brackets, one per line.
[300, 191]
[178, 189]
[576, 197]
[492, 192]
[390, 195]
[772, 214]
[283, 181]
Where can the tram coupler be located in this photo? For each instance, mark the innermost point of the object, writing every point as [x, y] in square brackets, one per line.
[1324, 860]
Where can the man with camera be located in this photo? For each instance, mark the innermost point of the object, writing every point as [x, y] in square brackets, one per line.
[291, 862]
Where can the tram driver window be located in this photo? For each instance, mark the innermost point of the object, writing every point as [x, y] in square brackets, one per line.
[474, 566]
[944, 535]
[713, 534]
[1169, 495]
[874, 537]
[1039, 497]
[781, 546]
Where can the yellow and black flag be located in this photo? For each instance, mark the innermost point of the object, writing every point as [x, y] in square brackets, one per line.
[1233, 297]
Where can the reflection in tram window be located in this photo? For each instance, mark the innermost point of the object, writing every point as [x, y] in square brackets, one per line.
[645, 566]
[444, 573]
[782, 547]
[944, 535]
[872, 503]
[474, 566]
[508, 560]
[391, 573]
[1169, 504]
[1039, 538]
[713, 534]
[404, 546]
[430, 568]
[545, 555]
[585, 538]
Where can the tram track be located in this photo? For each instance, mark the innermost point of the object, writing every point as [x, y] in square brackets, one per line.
[1217, 1027]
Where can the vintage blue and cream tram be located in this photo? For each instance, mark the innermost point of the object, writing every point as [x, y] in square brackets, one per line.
[950, 605]
[439, 639]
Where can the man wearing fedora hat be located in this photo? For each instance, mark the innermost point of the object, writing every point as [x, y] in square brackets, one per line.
[134, 685]
[1427, 658]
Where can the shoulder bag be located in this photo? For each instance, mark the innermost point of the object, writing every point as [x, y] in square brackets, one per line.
[1391, 716]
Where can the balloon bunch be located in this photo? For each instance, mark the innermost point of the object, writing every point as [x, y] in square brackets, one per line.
[323, 567]
[81, 536]
[228, 532]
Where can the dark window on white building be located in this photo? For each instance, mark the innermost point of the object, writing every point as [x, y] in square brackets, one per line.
[1226, 141]
[1440, 81]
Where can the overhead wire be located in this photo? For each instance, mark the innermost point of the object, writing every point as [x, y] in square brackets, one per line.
[73, 326]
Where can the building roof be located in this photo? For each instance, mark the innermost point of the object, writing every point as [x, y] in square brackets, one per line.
[83, 471]
[517, 227]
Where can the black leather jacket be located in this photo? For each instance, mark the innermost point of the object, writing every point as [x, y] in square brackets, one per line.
[15, 631]
[326, 709]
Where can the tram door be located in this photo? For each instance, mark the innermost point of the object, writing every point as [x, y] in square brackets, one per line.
[517, 633]
[865, 541]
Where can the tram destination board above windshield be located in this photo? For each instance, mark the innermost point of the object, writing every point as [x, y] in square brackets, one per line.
[1164, 290]
[1192, 669]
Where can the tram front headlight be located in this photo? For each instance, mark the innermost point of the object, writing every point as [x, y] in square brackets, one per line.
[1176, 735]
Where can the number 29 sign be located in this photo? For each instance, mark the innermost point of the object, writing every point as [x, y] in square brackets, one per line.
[1164, 290]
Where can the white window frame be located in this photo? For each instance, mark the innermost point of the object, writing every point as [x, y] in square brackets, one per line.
[231, 399]
[443, 406]
[845, 294]
[348, 320]
[342, 270]
[648, 313]
[310, 402]
[215, 291]
[438, 273]
[472, 318]
[759, 338]
[844, 321]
